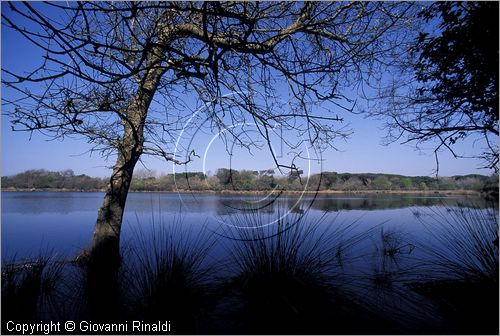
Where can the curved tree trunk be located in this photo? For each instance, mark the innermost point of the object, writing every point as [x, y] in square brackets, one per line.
[101, 287]
[106, 238]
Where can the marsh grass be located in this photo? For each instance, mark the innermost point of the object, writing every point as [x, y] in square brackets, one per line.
[288, 276]
[462, 268]
[30, 288]
[164, 275]
[464, 243]
[390, 260]
[169, 274]
[393, 261]
[384, 288]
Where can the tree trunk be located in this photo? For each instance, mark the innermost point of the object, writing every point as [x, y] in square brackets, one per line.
[102, 284]
[106, 239]
[104, 259]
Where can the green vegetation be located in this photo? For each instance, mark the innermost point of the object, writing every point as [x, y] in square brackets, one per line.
[43, 179]
[247, 180]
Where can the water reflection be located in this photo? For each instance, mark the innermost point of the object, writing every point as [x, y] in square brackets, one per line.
[371, 247]
[69, 202]
[64, 220]
[392, 201]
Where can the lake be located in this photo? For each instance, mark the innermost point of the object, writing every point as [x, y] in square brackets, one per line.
[374, 246]
[62, 222]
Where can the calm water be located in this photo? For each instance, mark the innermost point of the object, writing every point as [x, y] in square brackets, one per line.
[62, 222]
[374, 236]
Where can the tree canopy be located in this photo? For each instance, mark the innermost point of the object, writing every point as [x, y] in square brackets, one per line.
[129, 76]
[229, 57]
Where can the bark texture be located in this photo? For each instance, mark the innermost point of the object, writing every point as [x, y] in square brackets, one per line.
[106, 238]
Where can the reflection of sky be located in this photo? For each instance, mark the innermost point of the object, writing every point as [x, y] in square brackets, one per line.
[362, 152]
[61, 224]
[64, 221]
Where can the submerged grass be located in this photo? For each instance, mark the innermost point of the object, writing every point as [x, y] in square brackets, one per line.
[384, 287]
[390, 260]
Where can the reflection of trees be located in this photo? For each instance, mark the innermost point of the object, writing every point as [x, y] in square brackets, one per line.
[227, 205]
[378, 202]
[295, 204]
[49, 203]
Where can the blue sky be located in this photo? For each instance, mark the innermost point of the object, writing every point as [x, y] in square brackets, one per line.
[362, 152]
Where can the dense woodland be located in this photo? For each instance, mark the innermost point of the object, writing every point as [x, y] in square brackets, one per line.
[246, 180]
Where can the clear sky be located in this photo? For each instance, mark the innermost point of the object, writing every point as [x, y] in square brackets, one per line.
[362, 152]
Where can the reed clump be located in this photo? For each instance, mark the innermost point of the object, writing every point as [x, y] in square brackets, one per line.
[170, 276]
[30, 288]
[462, 265]
[289, 276]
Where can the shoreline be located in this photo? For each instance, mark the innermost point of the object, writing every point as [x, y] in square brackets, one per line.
[265, 192]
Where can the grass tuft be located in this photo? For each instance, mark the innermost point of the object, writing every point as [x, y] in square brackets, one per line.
[464, 243]
[462, 260]
[288, 274]
[30, 288]
[168, 274]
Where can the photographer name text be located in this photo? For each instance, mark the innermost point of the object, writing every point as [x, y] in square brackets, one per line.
[47, 328]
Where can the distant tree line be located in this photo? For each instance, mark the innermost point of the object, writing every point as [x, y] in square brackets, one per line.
[251, 180]
[43, 179]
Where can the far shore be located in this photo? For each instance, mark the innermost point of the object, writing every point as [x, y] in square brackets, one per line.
[265, 192]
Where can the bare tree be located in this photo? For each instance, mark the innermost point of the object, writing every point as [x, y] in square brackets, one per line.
[119, 74]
